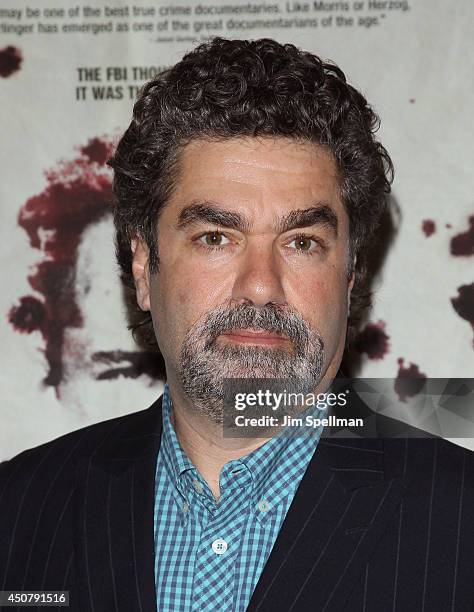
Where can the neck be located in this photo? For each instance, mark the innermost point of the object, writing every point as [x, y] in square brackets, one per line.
[204, 443]
[202, 440]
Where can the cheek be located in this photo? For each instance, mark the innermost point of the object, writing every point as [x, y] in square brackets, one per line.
[322, 302]
[202, 290]
[183, 296]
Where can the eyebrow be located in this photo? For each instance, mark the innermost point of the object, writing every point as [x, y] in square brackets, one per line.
[207, 212]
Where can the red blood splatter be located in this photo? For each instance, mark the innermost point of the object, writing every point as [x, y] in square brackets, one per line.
[77, 194]
[29, 316]
[373, 340]
[448, 225]
[10, 61]
[429, 227]
[462, 245]
[137, 363]
[409, 381]
[97, 150]
[463, 304]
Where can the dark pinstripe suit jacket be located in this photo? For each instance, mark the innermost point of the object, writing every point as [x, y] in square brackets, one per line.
[376, 525]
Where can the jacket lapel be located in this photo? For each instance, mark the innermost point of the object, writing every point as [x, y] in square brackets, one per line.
[345, 499]
[114, 545]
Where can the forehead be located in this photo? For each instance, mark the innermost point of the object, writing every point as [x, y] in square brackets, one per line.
[283, 171]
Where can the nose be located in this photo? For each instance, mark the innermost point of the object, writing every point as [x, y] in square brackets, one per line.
[258, 278]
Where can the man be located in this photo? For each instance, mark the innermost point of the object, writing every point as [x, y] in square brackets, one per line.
[248, 187]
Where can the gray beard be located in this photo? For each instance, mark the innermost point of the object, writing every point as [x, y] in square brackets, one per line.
[205, 365]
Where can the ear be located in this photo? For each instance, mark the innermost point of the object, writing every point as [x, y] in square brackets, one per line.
[141, 271]
[350, 285]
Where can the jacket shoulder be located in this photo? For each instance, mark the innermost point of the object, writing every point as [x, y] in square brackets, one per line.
[62, 453]
[428, 464]
[38, 504]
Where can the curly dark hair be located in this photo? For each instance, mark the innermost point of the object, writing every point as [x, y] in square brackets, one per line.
[227, 88]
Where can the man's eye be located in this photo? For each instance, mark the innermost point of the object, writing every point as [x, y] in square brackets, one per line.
[304, 244]
[213, 239]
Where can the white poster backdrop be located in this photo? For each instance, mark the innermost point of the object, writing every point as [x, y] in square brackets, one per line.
[69, 73]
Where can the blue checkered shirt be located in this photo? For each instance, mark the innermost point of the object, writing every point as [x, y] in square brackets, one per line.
[209, 555]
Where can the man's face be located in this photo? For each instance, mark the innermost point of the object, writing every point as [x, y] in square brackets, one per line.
[252, 282]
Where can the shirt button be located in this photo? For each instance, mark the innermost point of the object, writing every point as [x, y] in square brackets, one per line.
[185, 507]
[197, 486]
[263, 505]
[219, 546]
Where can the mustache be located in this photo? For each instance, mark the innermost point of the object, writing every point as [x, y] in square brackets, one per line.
[271, 318]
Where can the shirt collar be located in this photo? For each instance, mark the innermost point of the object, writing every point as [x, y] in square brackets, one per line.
[281, 461]
[174, 458]
[273, 467]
